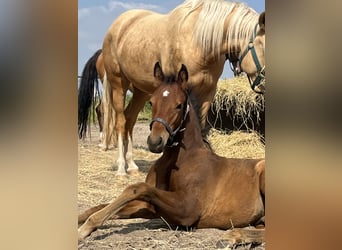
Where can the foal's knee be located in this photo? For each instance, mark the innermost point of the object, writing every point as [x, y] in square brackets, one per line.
[140, 190]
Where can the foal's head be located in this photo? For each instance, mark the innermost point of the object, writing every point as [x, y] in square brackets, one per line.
[170, 108]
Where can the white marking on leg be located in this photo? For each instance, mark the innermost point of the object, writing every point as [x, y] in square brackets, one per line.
[121, 159]
[166, 93]
[129, 156]
[102, 144]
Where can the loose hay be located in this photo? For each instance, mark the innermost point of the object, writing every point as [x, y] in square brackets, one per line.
[97, 182]
[237, 144]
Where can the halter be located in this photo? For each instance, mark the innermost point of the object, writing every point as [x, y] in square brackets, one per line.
[261, 70]
[171, 132]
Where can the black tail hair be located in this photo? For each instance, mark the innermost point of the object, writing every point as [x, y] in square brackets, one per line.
[89, 81]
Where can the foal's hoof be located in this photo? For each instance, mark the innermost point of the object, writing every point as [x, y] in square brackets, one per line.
[82, 236]
[81, 241]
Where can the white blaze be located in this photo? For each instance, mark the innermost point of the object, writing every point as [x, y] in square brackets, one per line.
[166, 93]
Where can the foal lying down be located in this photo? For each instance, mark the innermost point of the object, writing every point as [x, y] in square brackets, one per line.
[189, 185]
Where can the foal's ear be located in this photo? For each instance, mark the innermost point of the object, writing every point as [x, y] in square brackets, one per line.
[262, 21]
[158, 72]
[183, 76]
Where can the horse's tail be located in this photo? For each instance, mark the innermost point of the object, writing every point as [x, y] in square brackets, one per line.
[109, 133]
[89, 82]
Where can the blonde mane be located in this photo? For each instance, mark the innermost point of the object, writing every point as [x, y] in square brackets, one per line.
[209, 29]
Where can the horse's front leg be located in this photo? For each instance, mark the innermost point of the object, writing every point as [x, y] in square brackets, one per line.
[85, 215]
[119, 89]
[137, 102]
[98, 218]
[174, 207]
[205, 98]
[205, 127]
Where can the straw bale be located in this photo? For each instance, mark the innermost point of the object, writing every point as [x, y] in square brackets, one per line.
[237, 107]
[236, 93]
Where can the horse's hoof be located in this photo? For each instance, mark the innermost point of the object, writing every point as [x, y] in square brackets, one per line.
[102, 148]
[121, 175]
[133, 171]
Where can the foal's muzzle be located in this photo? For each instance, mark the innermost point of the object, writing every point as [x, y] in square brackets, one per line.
[155, 144]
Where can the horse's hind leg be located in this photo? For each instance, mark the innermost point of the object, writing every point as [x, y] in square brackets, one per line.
[109, 133]
[119, 89]
[260, 168]
[99, 113]
[137, 102]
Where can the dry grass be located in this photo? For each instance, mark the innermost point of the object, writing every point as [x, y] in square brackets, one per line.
[237, 144]
[97, 182]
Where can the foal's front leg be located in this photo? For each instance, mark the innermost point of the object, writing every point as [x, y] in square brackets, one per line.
[171, 205]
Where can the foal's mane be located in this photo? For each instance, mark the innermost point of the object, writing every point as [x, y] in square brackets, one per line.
[197, 108]
[195, 104]
[209, 28]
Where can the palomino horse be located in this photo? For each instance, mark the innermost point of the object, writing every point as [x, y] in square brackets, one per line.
[189, 185]
[199, 33]
[92, 71]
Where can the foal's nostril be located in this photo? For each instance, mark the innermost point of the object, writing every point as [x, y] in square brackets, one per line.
[155, 145]
[157, 141]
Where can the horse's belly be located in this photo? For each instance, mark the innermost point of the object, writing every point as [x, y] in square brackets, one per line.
[227, 216]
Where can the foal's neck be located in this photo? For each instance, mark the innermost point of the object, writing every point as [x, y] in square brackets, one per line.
[189, 140]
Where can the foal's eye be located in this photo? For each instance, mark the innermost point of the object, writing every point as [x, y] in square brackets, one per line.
[179, 106]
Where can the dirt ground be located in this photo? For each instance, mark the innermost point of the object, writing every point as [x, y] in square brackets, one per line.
[97, 184]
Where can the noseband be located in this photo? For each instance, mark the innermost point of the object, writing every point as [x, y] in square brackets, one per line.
[261, 70]
[173, 133]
